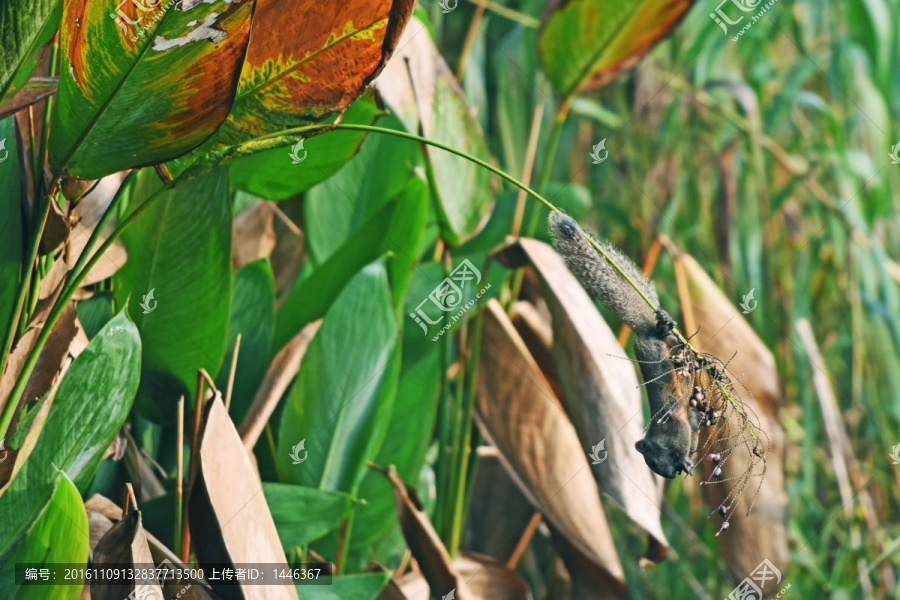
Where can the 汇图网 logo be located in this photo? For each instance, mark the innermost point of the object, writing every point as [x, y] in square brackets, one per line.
[448, 295]
[751, 588]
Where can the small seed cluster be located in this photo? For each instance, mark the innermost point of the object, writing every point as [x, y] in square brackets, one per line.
[728, 421]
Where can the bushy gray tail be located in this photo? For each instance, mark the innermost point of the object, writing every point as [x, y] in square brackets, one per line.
[601, 279]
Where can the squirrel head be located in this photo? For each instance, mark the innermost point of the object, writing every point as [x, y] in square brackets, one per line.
[667, 446]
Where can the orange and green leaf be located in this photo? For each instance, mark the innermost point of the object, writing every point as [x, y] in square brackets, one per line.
[585, 44]
[139, 87]
[307, 62]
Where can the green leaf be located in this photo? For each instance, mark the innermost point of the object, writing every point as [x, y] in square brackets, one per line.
[252, 315]
[408, 435]
[95, 312]
[304, 66]
[22, 31]
[141, 87]
[12, 197]
[180, 251]
[59, 534]
[397, 228]
[303, 514]
[89, 409]
[336, 208]
[341, 401]
[462, 191]
[366, 586]
[271, 174]
[585, 44]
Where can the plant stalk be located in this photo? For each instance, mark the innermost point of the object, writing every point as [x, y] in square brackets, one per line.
[65, 296]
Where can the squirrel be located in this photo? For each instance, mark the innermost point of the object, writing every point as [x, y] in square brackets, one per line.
[673, 433]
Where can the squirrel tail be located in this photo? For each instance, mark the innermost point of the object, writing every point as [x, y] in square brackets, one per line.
[600, 278]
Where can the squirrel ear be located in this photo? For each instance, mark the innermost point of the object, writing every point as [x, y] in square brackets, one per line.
[640, 445]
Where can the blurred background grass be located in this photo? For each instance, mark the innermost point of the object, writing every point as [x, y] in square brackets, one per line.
[767, 159]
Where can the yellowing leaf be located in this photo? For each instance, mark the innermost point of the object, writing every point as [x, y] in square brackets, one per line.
[585, 44]
[143, 82]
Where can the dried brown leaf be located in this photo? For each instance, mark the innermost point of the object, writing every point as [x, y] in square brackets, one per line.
[228, 516]
[65, 342]
[284, 367]
[486, 578]
[424, 542]
[103, 513]
[32, 92]
[112, 260]
[253, 234]
[519, 413]
[600, 391]
[124, 543]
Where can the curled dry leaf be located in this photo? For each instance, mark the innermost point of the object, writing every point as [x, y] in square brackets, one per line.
[518, 412]
[425, 544]
[281, 373]
[66, 341]
[498, 512]
[124, 544]
[32, 92]
[228, 516]
[253, 234]
[103, 513]
[147, 484]
[762, 534]
[486, 578]
[600, 391]
[108, 264]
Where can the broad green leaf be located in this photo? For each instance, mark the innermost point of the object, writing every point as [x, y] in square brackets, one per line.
[306, 63]
[338, 410]
[336, 208]
[22, 31]
[420, 88]
[177, 284]
[59, 534]
[409, 432]
[12, 196]
[95, 312]
[89, 409]
[463, 189]
[365, 586]
[252, 315]
[303, 514]
[397, 229]
[585, 44]
[142, 85]
[272, 174]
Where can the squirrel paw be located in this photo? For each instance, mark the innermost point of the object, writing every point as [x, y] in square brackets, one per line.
[664, 323]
